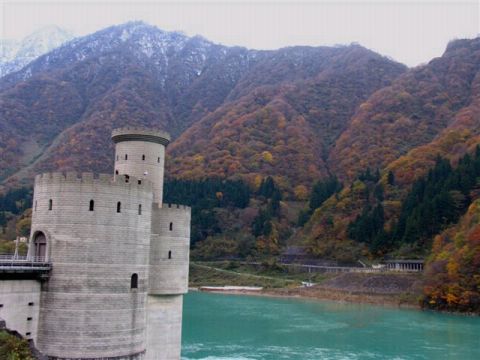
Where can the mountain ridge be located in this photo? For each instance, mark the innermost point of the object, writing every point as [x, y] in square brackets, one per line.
[183, 80]
[14, 55]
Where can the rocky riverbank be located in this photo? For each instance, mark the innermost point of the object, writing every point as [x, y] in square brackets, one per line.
[402, 290]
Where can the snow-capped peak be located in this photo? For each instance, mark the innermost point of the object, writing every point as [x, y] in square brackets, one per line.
[14, 55]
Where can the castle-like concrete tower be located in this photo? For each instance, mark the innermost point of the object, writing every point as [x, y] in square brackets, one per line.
[119, 257]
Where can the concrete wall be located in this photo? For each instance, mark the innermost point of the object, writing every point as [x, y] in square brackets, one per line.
[164, 329]
[19, 306]
[169, 275]
[135, 166]
[88, 309]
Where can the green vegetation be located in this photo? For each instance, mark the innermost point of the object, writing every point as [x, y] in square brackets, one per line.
[321, 191]
[271, 196]
[8, 247]
[13, 348]
[267, 274]
[452, 279]
[15, 202]
[438, 199]
[434, 202]
[203, 196]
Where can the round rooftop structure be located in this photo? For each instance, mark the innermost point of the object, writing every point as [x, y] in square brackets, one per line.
[140, 134]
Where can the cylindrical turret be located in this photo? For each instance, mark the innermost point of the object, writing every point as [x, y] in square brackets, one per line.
[96, 234]
[141, 153]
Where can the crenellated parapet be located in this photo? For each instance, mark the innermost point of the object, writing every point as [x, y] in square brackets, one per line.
[88, 178]
[173, 208]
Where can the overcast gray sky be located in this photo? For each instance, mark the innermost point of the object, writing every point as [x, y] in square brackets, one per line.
[412, 32]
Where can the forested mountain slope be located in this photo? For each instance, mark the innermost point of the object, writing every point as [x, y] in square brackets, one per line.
[285, 131]
[57, 112]
[421, 105]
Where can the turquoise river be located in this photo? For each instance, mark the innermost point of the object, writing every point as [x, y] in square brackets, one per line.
[218, 327]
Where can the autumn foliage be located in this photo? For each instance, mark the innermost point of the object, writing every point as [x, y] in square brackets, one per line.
[452, 275]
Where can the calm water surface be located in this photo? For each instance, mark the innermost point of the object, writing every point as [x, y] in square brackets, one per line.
[242, 327]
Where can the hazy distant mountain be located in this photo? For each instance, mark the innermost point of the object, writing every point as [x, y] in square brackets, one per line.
[14, 55]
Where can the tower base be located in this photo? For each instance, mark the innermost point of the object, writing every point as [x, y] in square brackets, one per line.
[164, 327]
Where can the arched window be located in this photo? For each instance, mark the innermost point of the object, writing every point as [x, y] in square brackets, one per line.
[92, 205]
[143, 157]
[170, 254]
[139, 209]
[40, 244]
[134, 281]
[119, 207]
[171, 226]
[126, 157]
[50, 204]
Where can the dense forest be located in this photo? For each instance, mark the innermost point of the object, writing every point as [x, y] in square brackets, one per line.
[14, 202]
[452, 279]
[204, 196]
[434, 202]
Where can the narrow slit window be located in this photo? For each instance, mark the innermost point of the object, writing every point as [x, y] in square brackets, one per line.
[170, 254]
[119, 207]
[126, 157]
[139, 182]
[30, 304]
[117, 157]
[127, 178]
[116, 172]
[158, 159]
[50, 204]
[139, 209]
[171, 226]
[134, 281]
[29, 319]
[28, 334]
[143, 157]
[91, 206]
[35, 205]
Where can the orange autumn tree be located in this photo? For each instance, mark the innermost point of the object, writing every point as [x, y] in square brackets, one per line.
[453, 270]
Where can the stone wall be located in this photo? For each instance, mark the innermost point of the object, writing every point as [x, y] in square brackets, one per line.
[141, 153]
[164, 329]
[169, 250]
[88, 308]
[19, 306]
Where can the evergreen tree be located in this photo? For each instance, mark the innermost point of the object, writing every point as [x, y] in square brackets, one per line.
[267, 188]
[274, 204]
[391, 178]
